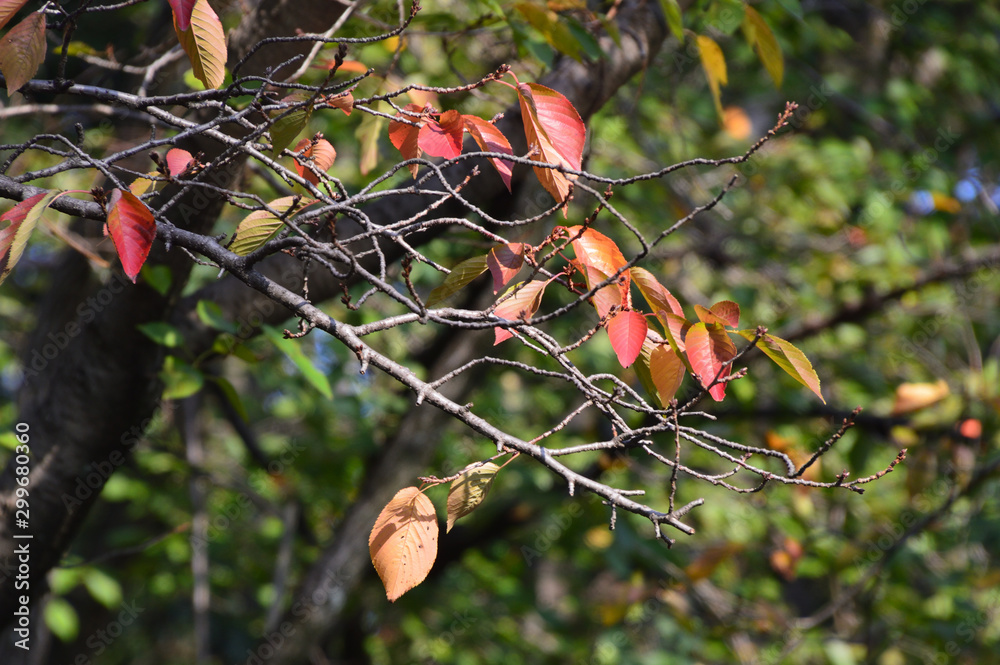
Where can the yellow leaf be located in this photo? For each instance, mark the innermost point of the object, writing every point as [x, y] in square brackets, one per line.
[762, 39]
[205, 44]
[914, 396]
[469, 490]
[714, 65]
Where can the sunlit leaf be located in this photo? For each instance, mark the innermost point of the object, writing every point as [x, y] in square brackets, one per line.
[714, 65]
[724, 312]
[655, 293]
[595, 249]
[261, 225]
[403, 542]
[182, 12]
[708, 347]
[666, 371]
[788, 358]
[457, 279]
[211, 315]
[490, 139]
[627, 332]
[504, 262]
[519, 307]
[162, 333]
[553, 127]
[132, 228]
[204, 41]
[468, 491]
[22, 51]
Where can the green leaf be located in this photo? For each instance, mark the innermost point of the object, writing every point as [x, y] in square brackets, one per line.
[788, 358]
[672, 12]
[555, 32]
[159, 277]
[293, 350]
[62, 619]
[180, 379]
[233, 397]
[261, 225]
[103, 588]
[211, 315]
[457, 279]
[162, 333]
[288, 126]
[760, 37]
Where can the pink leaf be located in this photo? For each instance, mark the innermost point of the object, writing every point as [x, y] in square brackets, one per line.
[627, 331]
[553, 128]
[442, 138]
[504, 261]
[708, 348]
[491, 139]
[177, 161]
[725, 312]
[132, 228]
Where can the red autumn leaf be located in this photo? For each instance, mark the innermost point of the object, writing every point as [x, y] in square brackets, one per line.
[627, 331]
[406, 136]
[177, 161]
[491, 139]
[8, 8]
[182, 12]
[317, 152]
[22, 51]
[519, 307]
[708, 348]
[553, 127]
[132, 228]
[504, 261]
[403, 541]
[443, 137]
[655, 293]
